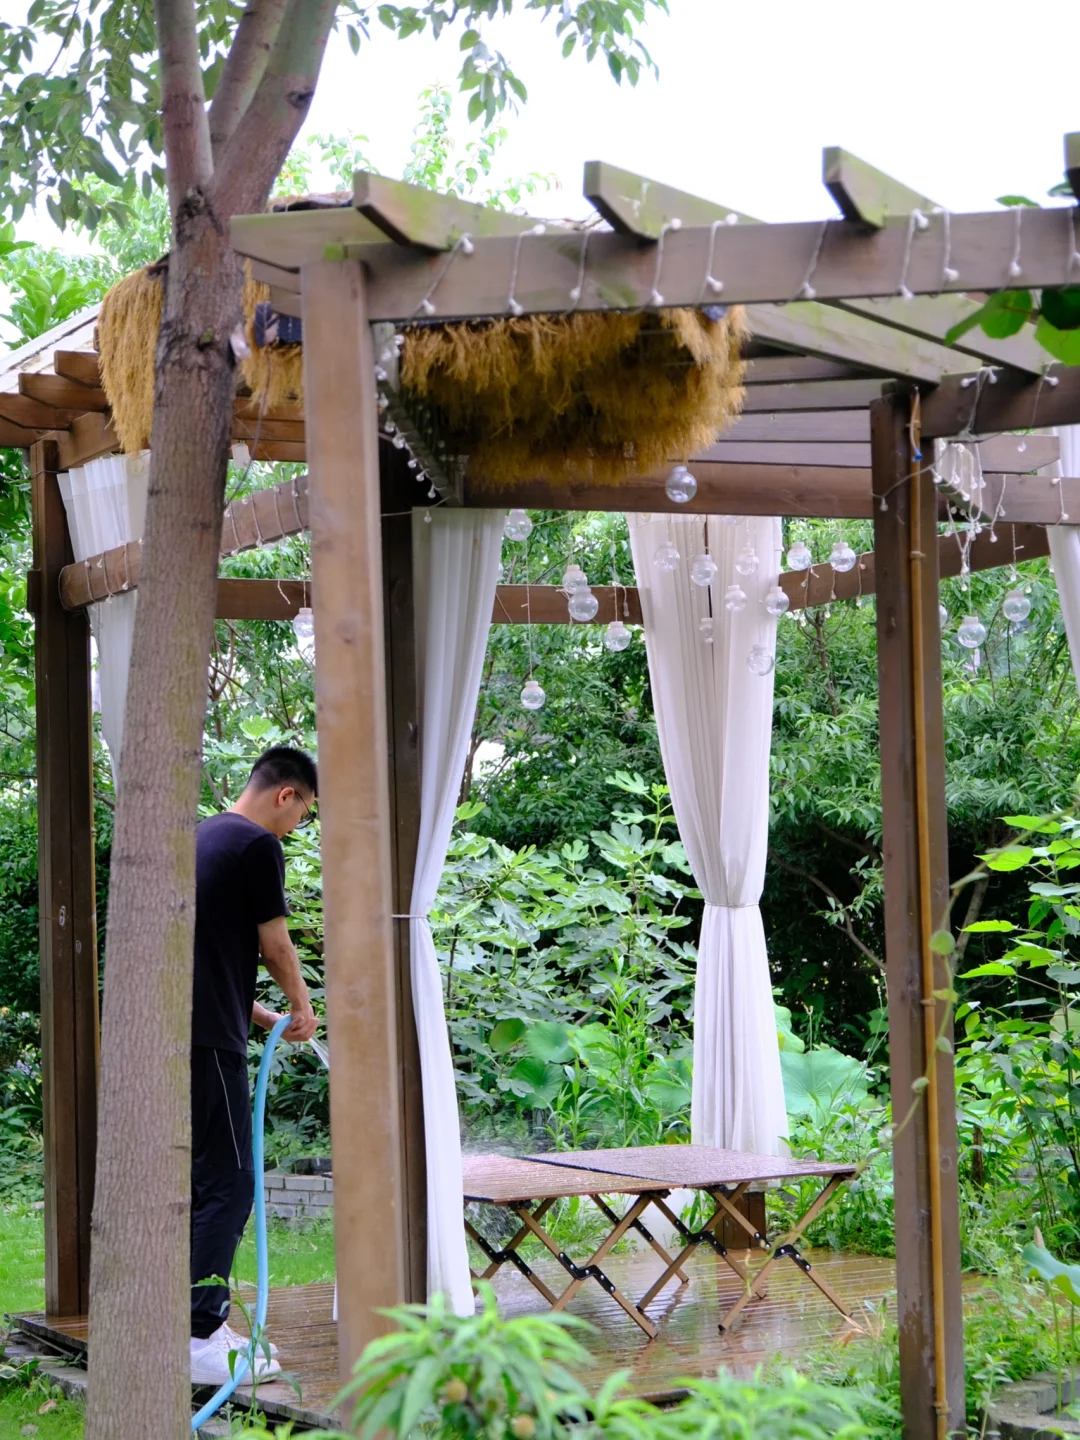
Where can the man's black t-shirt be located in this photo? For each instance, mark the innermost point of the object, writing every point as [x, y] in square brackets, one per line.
[239, 885]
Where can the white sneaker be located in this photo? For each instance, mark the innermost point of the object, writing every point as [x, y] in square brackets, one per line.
[241, 1342]
[210, 1359]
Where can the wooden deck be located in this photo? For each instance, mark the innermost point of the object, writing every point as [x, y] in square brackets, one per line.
[794, 1319]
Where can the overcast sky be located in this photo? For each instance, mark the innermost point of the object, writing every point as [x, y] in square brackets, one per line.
[946, 95]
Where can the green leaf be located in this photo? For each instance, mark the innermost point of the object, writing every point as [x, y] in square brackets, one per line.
[817, 1081]
[942, 943]
[506, 1035]
[1061, 307]
[1040, 823]
[542, 1082]
[549, 1041]
[1015, 857]
[1064, 974]
[1006, 313]
[476, 106]
[992, 967]
[1064, 345]
[1065, 1278]
[470, 39]
[1015, 200]
[986, 927]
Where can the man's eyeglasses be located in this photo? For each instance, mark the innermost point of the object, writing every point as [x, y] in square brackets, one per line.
[311, 813]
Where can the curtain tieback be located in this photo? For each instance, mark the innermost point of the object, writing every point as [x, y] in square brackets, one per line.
[722, 905]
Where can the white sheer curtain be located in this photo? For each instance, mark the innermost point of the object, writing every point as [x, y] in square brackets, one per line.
[1065, 546]
[456, 564]
[105, 503]
[714, 719]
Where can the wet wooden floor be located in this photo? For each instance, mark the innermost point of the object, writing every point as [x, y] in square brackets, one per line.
[792, 1320]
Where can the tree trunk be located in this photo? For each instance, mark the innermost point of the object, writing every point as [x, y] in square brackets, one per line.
[139, 1264]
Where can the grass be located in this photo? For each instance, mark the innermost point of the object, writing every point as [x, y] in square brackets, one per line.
[22, 1259]
[21, 1409]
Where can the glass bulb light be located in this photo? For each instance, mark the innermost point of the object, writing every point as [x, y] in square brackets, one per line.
[583, 605]
[703, 571]
[680, 485]
[734, 599]
[746, 562]
[843, 557]
[705, 629]
[517, 525]
[971, 632]
[532, 695]
[574, 578]
[943, 616]
[799, 557]
[777, 602]
[1016, 606]
[616, 636]
[759, 661]
[304, 629]
[666, 556]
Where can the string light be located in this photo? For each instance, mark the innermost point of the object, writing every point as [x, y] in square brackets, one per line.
[1016, 606]
[705, 629]
[517, 525]
[799, 556]
[680, 486]
[304, 629]
[574, 578]
[616, 637]
[703, 571]
[532, 695]
[777, 602]
[760, 661]
[583, 605]
[747, 562]
[971, 632]
[843, 557]
[666, 557]
[734, 599]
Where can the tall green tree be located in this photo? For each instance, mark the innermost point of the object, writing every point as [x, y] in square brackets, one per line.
[207, 95]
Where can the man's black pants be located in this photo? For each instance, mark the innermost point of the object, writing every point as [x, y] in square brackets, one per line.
[222, 1178]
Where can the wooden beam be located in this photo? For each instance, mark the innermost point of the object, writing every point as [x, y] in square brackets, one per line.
[547, 605]
[865, 195]
[32, 414]
[959, 407]
[61, 393]
[915, 854]
[934, 316]
[818, 426]
[17, 437]
[1072, 162]
[831, 333]
[800, 452]
[89, 437]
[81, 365]
[415, 215]
[351, 708]
[775, 439]
[66, 900]
[403, 729]
[797, 369]
[821, 584]
[636, 206]
[813, 395]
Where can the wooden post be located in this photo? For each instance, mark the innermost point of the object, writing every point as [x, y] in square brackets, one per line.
[350, 694]
[398, 484]
[915, 849]
[68, 920]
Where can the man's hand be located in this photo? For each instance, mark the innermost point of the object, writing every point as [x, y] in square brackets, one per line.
[303, 1025]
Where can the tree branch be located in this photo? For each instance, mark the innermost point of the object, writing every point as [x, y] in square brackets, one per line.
[862, 846]
[975, 904]
[255, 151]
[842, 909]
[245, 66]
[183, 101]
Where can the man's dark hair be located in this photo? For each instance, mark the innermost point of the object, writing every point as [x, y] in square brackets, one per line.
[282, 765]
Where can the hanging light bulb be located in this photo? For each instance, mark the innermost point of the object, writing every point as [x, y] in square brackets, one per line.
[777, 602]
[971, 632]
[843, 557]
[304, 629]
[799, 557]
[1016, 606]
[617, 636]
[532, 695]
[943, 616]
[517, 525]
[574, 578]
[680, 485]
[583, 604]
[759, 661]
[705, 629]
[734, 599]
[703, 570]
[666, 556]
[746, 562]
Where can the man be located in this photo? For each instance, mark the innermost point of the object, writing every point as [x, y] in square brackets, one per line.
[240, 915]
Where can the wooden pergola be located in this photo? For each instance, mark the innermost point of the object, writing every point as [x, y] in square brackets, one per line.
[849, 384]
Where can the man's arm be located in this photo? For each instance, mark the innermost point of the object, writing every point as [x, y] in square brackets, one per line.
[280, 958]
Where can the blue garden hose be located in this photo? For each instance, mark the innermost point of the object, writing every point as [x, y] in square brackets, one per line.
[244, 1359]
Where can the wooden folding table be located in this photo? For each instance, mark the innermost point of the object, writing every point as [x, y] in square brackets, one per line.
[725, 1176]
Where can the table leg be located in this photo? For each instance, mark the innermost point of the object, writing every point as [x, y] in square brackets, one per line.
[508, 1254]
[607, 1211]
